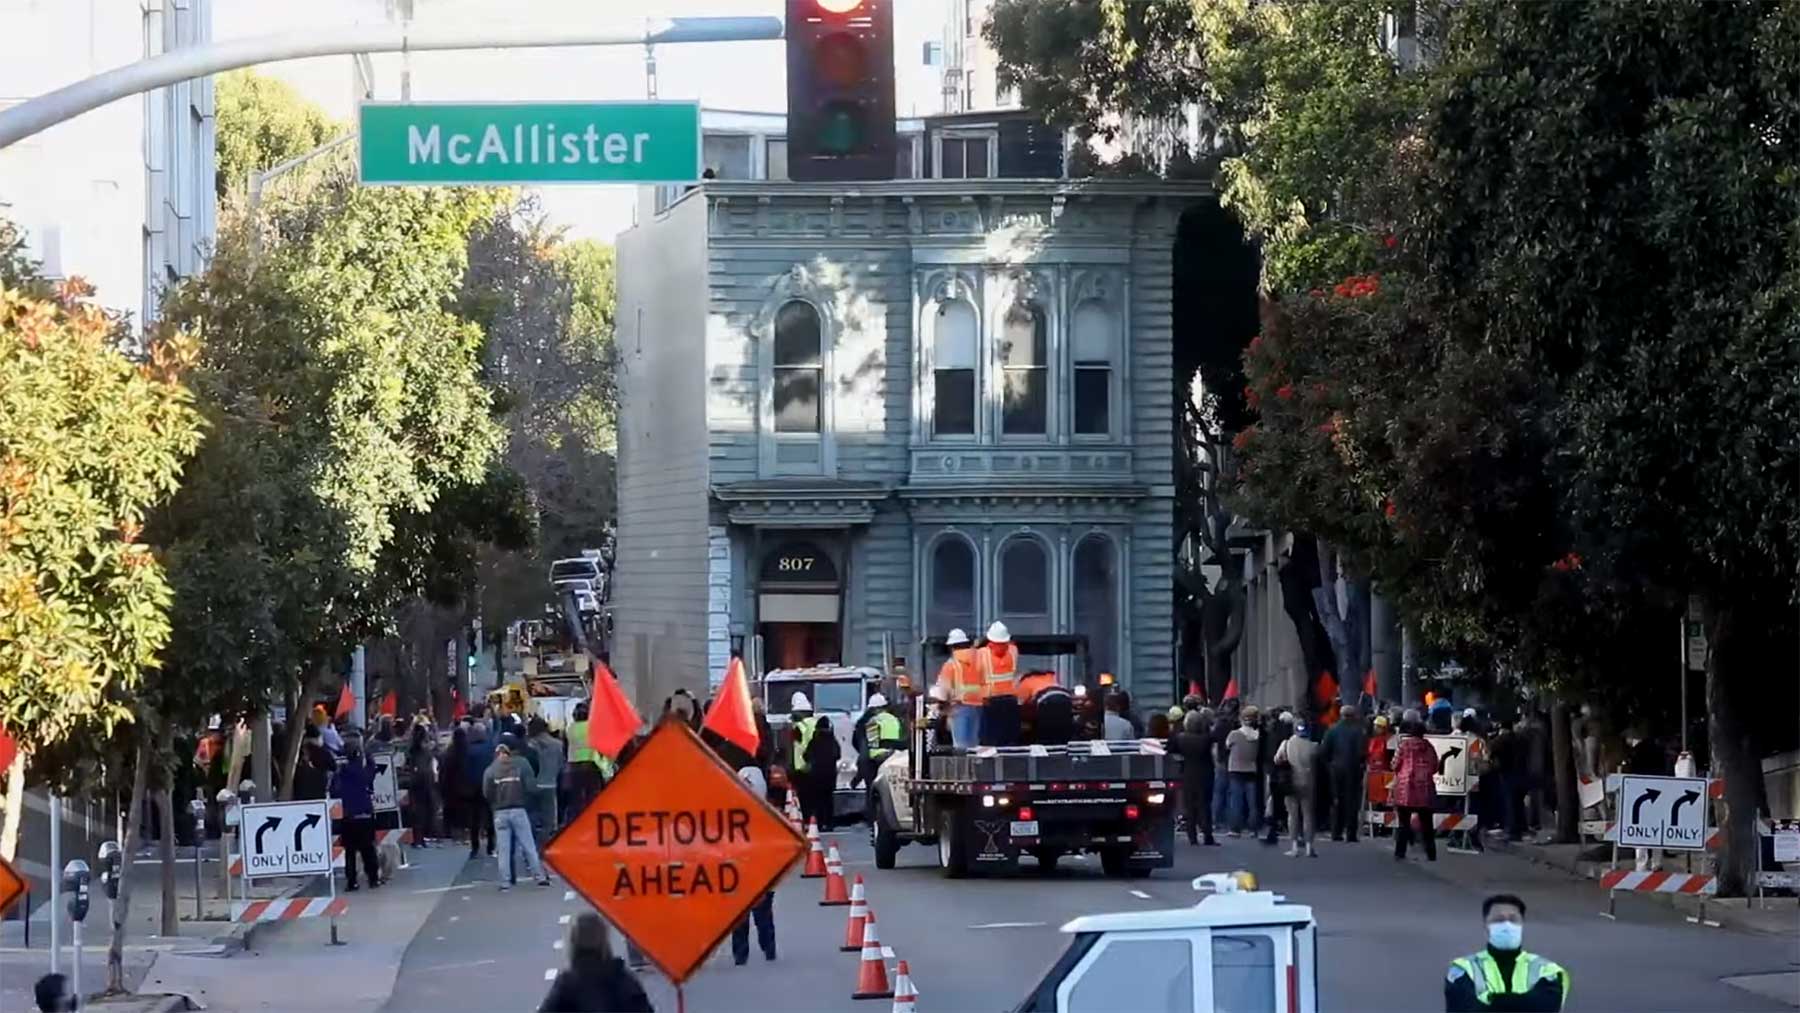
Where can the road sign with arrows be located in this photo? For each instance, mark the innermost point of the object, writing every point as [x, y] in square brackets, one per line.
[1663, 812]
[287, 838]
[384, 790]
[1452, 777]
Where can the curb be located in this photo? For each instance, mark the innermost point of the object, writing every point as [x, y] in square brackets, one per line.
[137, 1003]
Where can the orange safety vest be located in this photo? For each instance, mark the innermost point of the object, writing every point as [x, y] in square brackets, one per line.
[960, 679]
[997, 672]
[1032, 685]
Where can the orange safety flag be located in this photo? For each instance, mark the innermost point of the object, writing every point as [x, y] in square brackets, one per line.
[346, 703]
[8, 749]
[730, 717]
[1369, 683]
[1231, 691]
[1195, 690]
[612, 721]
[458, 709]
[390, 704]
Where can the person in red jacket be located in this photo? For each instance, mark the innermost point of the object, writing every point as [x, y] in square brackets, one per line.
[1415, 763]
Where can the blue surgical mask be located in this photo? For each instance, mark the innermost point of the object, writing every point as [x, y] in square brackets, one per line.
[1506, 935]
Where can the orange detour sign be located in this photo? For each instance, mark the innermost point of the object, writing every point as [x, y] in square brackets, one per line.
[675, 850]
[12, 886]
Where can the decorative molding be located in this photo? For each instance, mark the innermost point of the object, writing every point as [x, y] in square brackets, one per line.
[951, 285]
[802, 282]
[1105, 285]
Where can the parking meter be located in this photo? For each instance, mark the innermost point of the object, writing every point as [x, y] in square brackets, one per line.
[112, 864]
[197, 808]
[75, 881]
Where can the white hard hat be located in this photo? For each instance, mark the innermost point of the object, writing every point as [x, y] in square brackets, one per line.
[998, 633]
[957, 636]
[1081, 691]
[800, 703]
[878, 701]
[1469, 713]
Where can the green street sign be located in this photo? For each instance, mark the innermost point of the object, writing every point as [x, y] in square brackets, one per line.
[433, 143]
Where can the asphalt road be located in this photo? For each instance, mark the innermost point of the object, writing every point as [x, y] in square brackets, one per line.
[1387, 930]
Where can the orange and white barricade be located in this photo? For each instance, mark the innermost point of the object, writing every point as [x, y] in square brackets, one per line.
[1440, 822]
[289, 910]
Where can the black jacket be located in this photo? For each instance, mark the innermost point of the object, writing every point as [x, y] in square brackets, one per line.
[1196, 749]
[603, 988]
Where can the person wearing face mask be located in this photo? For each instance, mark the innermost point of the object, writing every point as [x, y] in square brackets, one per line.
[1505, 976]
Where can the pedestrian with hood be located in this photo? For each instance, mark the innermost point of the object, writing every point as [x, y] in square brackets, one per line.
[1195, 747]
[822, 755]
[549, 750]
[595, 980]
[478, 756]
[507, 787]
[353, 785]
[1299, 755]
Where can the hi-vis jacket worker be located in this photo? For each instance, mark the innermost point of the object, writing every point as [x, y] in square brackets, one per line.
[882, 730]
[961, 681]
[1504, 976]
[999, 664]
[804, 722]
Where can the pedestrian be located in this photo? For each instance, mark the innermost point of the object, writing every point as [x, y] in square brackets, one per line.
[1503, 975]
[1279, 779]
[583, 769]
[353, 785]
[822, 754]
[1415, 763]
[1115, 725]
[314, 766]
[478, 755]
[1299, 754]
[1644, 755]
[549, 750]
[449, 780]
[507, 786]
[1158, 727]
[595, 980]
[1222, 726]
[1240, 748]
[1194, 745]
[763, 911]
[801, 726]
[53, 995]
[1345, 750]
[421, 764]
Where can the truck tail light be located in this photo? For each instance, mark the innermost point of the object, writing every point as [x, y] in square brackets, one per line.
[1131, 812]
[1026, 813]
[1154, 798]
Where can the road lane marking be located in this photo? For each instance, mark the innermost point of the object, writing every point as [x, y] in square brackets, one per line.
[568, 895]
[550, 974]
[557, 945]
[456, 917]
[1140, 895]
[1010, 925]
[456, 966]
[564, 919]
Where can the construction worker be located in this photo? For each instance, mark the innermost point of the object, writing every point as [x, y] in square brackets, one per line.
[800, 711]
[1504, 976]
[1002, 717]
[963, 688]
[882, 730]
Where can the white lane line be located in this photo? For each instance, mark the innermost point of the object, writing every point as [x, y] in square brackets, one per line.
[564, 919]
[557, 945]
[438, 939]
[568, 895]
[1010, 925]
[452, 967]
[550, 974]
[456, 918]
[1140, 895]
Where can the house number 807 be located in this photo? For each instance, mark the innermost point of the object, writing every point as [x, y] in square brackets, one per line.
[790, 564]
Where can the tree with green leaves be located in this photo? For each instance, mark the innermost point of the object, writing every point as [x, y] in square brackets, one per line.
[261, 122]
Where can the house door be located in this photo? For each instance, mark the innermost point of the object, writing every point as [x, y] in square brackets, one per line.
[798, 605]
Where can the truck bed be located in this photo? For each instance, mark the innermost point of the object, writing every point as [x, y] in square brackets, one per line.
[952, 769]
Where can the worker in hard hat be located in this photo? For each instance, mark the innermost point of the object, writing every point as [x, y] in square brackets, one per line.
[881, 734]
[803, 724]
[997, 660]
[961, 678]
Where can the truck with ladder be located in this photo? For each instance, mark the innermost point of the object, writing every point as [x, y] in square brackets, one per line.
[985, 807]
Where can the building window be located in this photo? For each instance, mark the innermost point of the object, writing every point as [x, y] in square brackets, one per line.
[727, 155]
[1024, 370]
[1093, 336]
[799, 368]
[1095, 590]
[951, 603]
[965, 154]
[1025, 585]
[904, 147]
[777, 151]
[953, 370]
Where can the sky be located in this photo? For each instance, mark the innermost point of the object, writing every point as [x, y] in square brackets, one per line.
[734, 75]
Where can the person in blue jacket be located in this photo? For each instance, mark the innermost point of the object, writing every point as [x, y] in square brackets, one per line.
[353, 785]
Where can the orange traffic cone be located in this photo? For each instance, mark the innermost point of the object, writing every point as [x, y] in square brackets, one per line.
[815, 859]
[859, 911]
[793, 808]
[871, 973]
[835, 894]
[906, 997]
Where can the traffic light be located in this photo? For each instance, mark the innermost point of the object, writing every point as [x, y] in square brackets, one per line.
[840, 86]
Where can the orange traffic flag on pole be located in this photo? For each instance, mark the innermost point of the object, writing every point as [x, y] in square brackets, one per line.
[1231, 691]
[8, 749]
[346, 703]
[730, 717]
[612, 721]
[458, 709]
[1369, 684]
[390, 704]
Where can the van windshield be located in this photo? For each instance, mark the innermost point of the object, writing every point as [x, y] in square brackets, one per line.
[574, 569]
[843, 695]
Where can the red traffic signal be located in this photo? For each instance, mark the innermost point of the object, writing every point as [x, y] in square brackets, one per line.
[840, 58]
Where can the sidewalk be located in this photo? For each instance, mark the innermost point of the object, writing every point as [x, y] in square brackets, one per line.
[286, 961]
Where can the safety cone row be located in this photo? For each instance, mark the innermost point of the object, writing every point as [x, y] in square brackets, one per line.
[835, 893]
[906, 997]
[815, 857]
[792, 810]
[859, 910]
[871, 972]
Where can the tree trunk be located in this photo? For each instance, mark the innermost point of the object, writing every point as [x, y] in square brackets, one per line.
[1568, 799]
[165, 853]
[1732, 658]
[121, 908]
[296, 731]
[15, 806]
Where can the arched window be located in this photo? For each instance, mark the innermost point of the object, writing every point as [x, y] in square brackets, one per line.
[799, 368]
[1095, 587]
[953, 370]
[951, 584]
[1093, 338]
[1025, 585]
[1025, 370]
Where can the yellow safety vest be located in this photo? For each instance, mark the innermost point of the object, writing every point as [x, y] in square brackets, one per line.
[806, 726]
[878, 728]
[579, 750]
[1529, 969]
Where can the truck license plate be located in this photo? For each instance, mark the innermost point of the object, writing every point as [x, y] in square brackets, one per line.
[1024, 828]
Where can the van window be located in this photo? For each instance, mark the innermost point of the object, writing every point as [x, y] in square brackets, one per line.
[573, 569]
[842, 696]
[1243, 973]
[1136, 974]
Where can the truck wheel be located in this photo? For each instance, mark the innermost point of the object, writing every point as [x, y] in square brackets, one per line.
[1046, 859]
[887, 841]
[953, 854]
[1112, 861]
